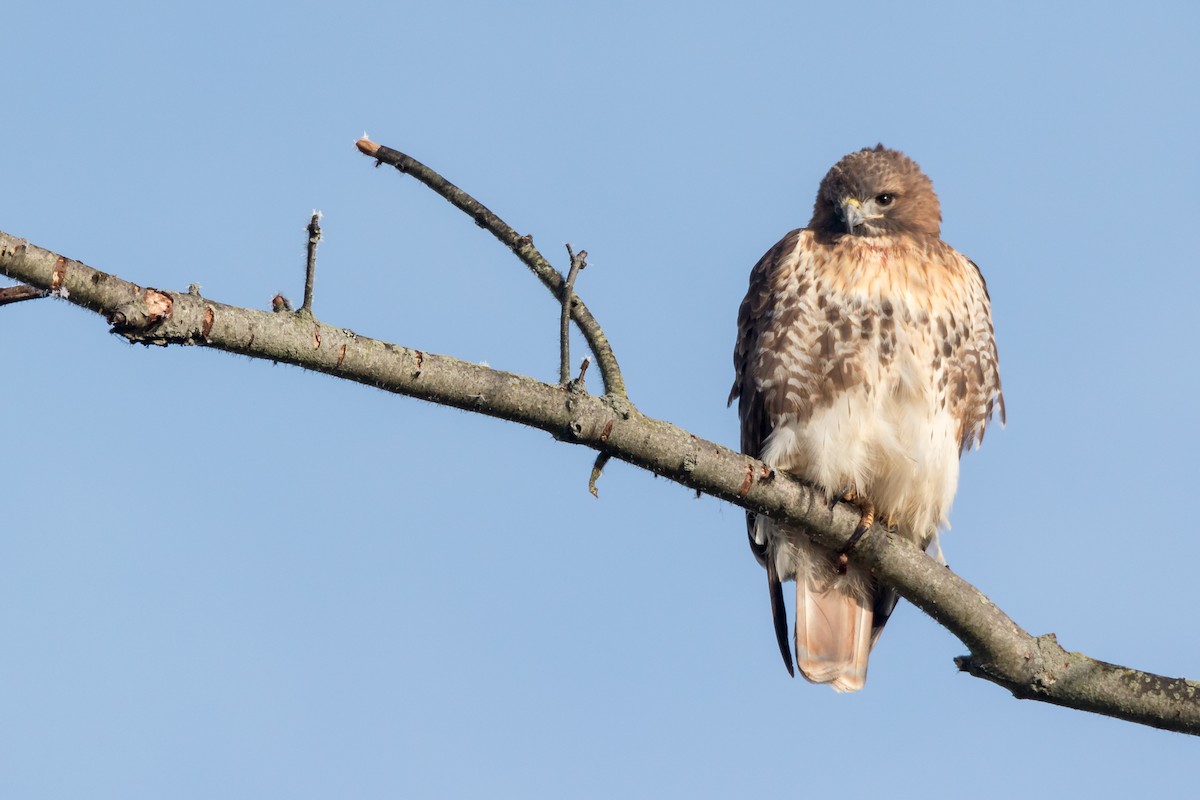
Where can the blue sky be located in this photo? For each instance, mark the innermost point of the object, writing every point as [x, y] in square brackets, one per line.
[220, 577]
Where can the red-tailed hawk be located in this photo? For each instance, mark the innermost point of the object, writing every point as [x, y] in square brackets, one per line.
[866, 365]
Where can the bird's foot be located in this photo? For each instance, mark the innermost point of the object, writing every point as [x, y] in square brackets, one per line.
[847, 493]
[866, 519]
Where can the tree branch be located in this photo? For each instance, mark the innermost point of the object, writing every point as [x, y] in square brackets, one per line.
[578, 262]
[522, 246]
[15, 294]
[310, 264]
[1000, 651]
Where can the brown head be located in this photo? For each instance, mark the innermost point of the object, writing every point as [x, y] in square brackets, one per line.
[876, 192]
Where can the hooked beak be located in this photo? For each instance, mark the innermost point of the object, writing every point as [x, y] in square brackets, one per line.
[852, 214]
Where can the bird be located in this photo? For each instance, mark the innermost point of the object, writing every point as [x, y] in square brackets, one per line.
[865, 366]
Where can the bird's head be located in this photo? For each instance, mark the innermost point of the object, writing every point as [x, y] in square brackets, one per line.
[876, 192]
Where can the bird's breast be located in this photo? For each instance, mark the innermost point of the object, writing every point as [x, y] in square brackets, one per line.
[851, 367]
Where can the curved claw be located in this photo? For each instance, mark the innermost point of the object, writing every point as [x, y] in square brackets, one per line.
[865, 521]
[847, 493]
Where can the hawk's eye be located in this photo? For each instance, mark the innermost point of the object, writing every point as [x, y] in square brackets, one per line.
[884, 199]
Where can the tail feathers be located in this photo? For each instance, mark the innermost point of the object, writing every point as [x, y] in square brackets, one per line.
[833, 634]
[779, 615]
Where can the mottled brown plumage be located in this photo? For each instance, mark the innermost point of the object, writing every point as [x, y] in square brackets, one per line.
[865, 361]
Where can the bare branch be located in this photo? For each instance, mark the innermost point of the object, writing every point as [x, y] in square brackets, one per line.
[310, 269]
[522, 246]
[578, 262]
[1033, 668]
[15, 294]
[597, 469]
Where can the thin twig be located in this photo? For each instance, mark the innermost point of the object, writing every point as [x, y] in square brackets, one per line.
[578, 262]
[597, 469]
[15, 294]
[522, 246]
[310, 271]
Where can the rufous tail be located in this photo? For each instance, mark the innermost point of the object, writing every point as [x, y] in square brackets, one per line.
[833, 631]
